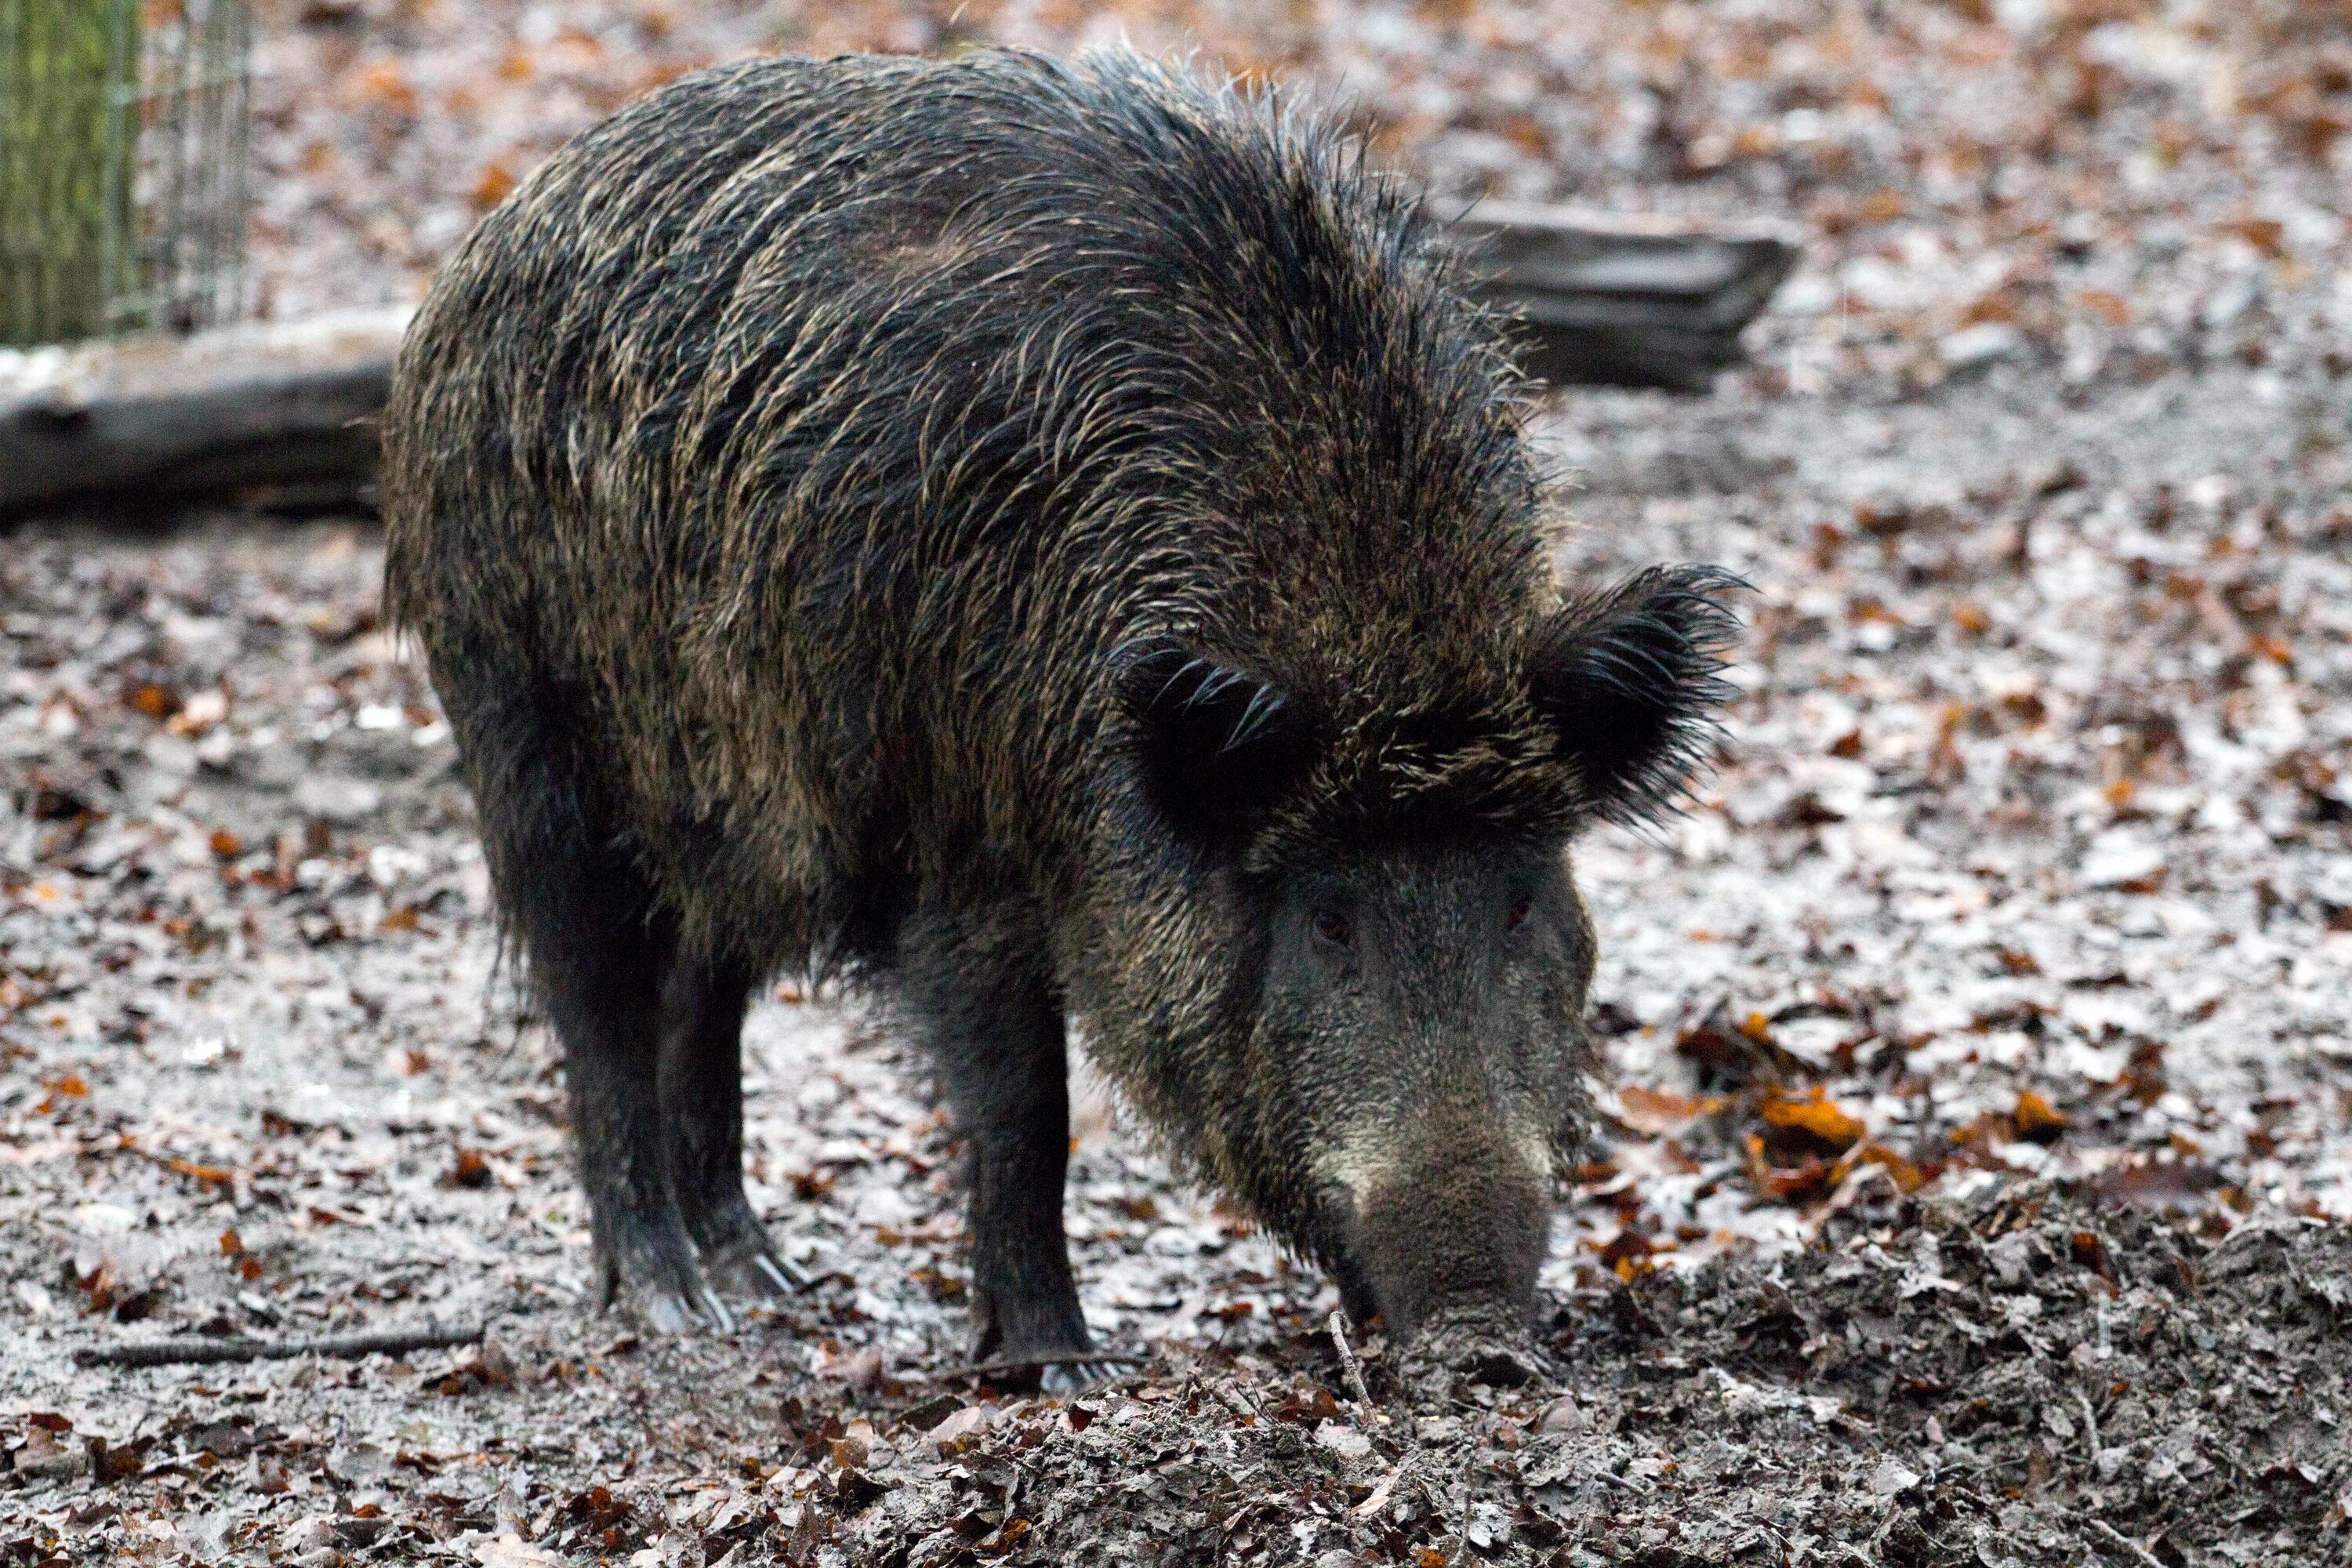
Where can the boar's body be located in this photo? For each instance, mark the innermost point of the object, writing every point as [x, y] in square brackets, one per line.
[1031, 540]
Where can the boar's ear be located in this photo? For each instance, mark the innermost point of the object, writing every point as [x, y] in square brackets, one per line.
[1217, 744]
[1629, 679]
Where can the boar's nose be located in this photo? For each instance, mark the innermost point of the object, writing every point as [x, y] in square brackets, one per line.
[1457, 1231]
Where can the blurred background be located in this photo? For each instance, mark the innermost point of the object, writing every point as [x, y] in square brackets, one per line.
[2093, 185]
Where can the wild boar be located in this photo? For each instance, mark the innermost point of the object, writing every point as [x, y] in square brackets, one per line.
[1037, 543]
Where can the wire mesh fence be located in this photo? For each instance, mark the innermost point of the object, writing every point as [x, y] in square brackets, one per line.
[124, 153]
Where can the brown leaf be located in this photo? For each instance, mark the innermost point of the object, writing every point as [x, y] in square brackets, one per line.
[467, 1169]
[1656, 1111]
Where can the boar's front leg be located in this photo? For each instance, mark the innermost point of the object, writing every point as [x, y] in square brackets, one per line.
[702, 1122]
[992, 1023]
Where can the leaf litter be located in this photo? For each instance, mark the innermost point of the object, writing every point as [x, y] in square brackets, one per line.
[1978, 1145]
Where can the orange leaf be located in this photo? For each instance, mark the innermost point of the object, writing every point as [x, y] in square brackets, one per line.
[1907, 1177]
[493, 187]
[1801, 1184]
[1816, 1117]
[2112, 306]
[154, 701]
[2266, 235]
[382, 83]
[210, 1176]
[2037, 1121]
[1625, 1245]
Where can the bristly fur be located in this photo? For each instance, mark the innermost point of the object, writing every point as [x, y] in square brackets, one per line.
[831, 423]
[821, 487]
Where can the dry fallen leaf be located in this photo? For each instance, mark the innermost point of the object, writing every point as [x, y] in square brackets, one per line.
[1814, 1118]
[510, 1550]
[2036, 1121]
[1657, 1111]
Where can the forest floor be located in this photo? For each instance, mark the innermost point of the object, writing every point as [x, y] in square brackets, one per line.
[1979, 1080]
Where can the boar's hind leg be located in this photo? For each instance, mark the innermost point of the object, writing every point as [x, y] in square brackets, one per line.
[598, 952]
[994, 1027]
[702, 1117]
[604, 1000]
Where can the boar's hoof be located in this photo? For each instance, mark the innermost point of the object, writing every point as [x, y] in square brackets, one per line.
[672, 1301]
[1049, 1372]
[1075, 1376]
[754, 1273]
[673, 1313]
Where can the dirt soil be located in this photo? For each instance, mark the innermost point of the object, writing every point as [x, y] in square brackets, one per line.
[262, 1079]
[1978, 1112]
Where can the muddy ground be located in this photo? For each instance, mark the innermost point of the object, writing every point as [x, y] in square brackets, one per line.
[1979, 1119]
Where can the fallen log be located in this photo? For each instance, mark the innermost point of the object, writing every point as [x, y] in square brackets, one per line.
[283, 414]
[285, 409]
[1606, 300]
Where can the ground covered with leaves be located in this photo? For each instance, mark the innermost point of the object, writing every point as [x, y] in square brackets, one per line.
[1979, 1141]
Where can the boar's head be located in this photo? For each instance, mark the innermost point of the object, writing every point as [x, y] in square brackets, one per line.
[1351, 959]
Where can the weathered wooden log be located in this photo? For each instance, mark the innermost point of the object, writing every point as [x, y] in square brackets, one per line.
[286, 408]
[1605, 300]
[287, 412]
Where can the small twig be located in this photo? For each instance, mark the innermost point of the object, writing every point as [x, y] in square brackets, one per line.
[1031, 1362]
[1351, 1365]
[2091, 1423]
[2140, 1555]
[196, 1352]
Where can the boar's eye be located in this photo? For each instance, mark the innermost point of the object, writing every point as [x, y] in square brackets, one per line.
[1218, 744]
[1331, 926]
[1629, 680]
[1522, 906]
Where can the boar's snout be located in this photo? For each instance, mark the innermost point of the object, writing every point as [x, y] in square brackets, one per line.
[1456, 1233]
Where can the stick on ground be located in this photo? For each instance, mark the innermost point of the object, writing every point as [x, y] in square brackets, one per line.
[196, 1352]
[2138, 1553]
[1351, 1365]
